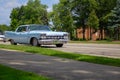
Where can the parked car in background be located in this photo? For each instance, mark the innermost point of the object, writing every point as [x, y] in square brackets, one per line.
[2, 37]
[36, 35]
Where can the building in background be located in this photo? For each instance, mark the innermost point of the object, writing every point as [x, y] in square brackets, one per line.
[90, 33]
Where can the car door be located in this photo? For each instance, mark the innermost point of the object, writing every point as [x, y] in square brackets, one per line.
[17, 37]
[24, 35]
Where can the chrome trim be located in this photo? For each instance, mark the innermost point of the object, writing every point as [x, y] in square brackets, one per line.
[50, 41]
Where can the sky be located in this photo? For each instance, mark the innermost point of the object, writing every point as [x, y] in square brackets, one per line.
[6, 7]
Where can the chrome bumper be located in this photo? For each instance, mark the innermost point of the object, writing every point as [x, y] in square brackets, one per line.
[50, 42]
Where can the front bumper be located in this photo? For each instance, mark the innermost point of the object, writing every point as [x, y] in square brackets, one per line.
[50, 42]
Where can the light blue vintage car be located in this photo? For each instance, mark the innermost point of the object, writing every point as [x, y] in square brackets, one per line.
[36, 35]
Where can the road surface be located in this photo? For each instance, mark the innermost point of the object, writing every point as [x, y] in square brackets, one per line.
[58, 68]
[107, 50]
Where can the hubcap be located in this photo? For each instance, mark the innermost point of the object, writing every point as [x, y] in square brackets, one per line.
[35, 43]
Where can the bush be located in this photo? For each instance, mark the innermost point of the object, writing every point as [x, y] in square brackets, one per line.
[108, 39]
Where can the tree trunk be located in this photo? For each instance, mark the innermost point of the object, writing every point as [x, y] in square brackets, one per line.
[101, 33]
[84, 27]
[118, 33]
[90, 34]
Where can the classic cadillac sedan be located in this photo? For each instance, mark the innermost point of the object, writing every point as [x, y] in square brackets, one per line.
[36, 35]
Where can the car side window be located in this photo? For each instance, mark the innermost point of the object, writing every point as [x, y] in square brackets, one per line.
[24, 29]
[21, 29]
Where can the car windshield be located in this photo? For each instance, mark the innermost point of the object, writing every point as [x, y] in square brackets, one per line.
[39, 27]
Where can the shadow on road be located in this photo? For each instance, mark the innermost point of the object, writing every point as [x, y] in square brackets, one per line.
[58, 68]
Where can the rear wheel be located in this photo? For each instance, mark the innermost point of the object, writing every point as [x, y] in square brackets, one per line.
[12, 42]
[35, 42]
[59, 45]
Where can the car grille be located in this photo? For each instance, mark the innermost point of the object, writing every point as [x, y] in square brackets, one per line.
[54, 37]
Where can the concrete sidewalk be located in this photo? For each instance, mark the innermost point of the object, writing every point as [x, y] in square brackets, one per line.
[58, 68]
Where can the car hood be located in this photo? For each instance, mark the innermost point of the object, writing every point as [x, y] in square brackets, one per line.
[49, 32]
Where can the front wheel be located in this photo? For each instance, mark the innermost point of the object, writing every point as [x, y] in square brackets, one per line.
[59, 45]
[35, 42]
[12, 42]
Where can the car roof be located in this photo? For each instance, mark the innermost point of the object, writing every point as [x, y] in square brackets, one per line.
[32, 25]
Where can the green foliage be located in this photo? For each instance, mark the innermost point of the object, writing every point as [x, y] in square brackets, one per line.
[114, 21]
[62, 17]
[67, 15]
[104, 8]
[108, 39]
[4, 28]
[103, 11]
[54, 17]
[81, 10]
[115, 16]
[80, 13]
[93, 20]
[33, 13]
[7, 73]
[14, 18]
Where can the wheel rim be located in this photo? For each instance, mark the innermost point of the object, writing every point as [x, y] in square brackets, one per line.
[12, 41]
[35, 42]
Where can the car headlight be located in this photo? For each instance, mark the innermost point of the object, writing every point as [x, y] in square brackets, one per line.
[43, 36]
[65, 36]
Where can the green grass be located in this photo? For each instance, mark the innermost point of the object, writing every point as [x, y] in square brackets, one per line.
[78, 57]
[7, 73]
[97, 42]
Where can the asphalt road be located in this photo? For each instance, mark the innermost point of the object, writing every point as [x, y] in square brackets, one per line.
[58, 68]
[107, 50]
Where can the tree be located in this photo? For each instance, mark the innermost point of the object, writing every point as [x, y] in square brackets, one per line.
[54, 18]
[93, 22]
[114, 20]
[38, 12]
[3, 28]
[82, 13]
[103, 10]
[62, 17]
[14, 18]
[81, 10]
[32, 13]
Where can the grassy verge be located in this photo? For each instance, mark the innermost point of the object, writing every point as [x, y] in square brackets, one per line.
[97, 42]
[7, 73]
[79, 57]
